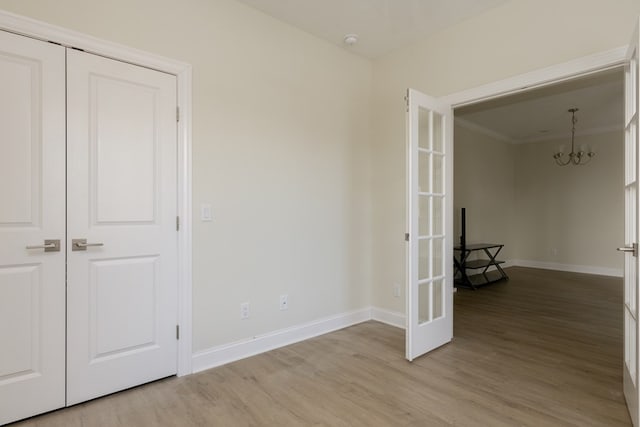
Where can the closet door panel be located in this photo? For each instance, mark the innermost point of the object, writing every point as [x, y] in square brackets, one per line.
[32, 210]
[122, 198]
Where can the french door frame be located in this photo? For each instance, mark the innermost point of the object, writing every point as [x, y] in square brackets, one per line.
[183, 72]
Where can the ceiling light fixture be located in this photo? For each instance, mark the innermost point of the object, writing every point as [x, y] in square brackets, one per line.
[350, 39]
[579, 158]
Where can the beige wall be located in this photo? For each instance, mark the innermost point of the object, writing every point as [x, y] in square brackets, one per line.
[484, 184]
[299, 145]
[514, 38]
[557, 217]
[572, 215]
[280, 150]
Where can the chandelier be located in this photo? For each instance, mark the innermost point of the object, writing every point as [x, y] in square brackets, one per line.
[579, 158]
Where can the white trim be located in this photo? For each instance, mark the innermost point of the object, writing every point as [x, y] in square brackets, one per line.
[586, 269]
[539, 78]
[392, 318]
[183, 71]
[185, 241]
[232, 352]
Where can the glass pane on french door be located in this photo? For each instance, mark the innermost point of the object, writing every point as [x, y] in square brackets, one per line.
[431, 246]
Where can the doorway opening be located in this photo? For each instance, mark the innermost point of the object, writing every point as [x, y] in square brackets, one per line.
[567, 218]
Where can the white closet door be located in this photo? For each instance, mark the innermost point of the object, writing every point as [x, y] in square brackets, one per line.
[32, 203]
[122, 287]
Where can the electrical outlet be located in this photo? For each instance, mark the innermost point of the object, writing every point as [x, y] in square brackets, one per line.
[244, 310]
[396, 290]
[284, 302]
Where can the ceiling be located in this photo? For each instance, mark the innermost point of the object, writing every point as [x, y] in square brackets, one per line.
[541, 114]
[385, 25]
[381, 25]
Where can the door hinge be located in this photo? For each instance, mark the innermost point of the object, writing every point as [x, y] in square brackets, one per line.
[177, 114]
[406, 100]
[406, 237]
[177, 223]
[177, 332]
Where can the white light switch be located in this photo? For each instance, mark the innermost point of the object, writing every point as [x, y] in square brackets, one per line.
[205, 212]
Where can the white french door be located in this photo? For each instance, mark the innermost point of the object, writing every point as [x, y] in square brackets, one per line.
[430, 228]
[122, 201]
[632, 93]
[32, 211]
[99, 202]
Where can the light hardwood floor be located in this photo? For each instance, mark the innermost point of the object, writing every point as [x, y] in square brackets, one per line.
[544, 349]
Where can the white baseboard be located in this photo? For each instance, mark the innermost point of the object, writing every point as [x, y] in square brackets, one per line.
[227, 353]
[232, 352]
[587, 269]
[392, 318]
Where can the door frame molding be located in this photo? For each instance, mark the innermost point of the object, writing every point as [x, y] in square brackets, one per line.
[183, 71]
[536, 79]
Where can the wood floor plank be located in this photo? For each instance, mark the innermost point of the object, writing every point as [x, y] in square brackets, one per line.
[543, 349]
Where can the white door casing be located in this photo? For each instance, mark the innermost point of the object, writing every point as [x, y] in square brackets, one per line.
[32, 210]
[631, 152]
[122, 195]
[430, 226]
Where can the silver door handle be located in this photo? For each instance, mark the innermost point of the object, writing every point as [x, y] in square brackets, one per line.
[86, 245]
[45, 246]
[82, 245]
[48, 246]
[633, 248]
